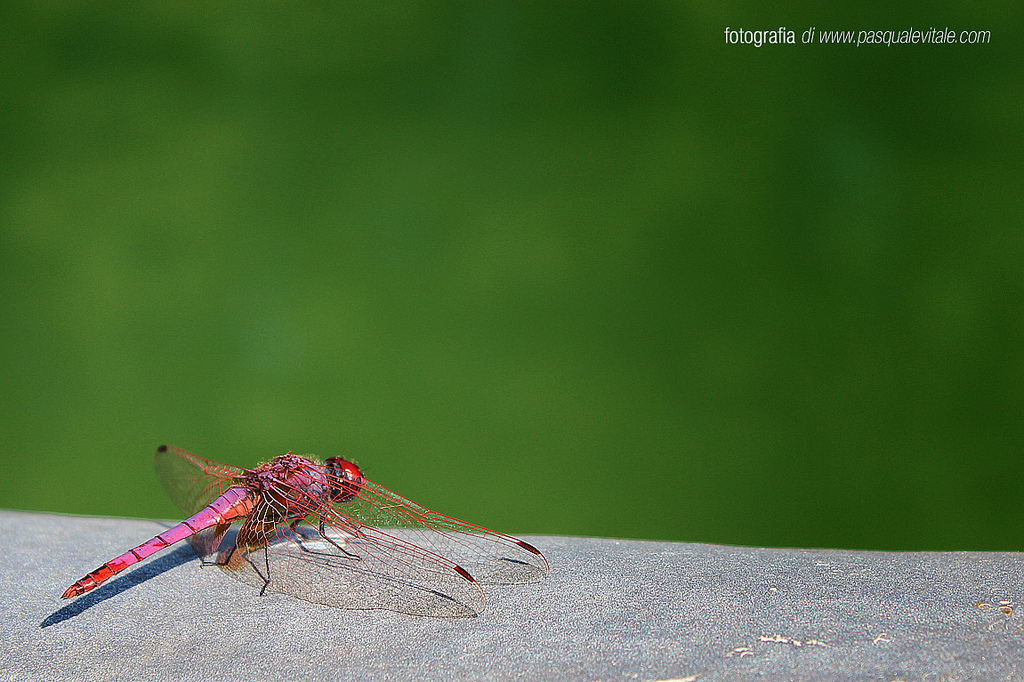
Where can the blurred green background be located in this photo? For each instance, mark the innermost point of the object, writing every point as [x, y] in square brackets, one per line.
[548, 267]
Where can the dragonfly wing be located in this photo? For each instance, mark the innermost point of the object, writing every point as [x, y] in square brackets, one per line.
[367, 548]
[359, 570]
[192, 482]
[489, 556]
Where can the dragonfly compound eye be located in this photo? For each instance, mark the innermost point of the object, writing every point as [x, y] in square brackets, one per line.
[345, 477]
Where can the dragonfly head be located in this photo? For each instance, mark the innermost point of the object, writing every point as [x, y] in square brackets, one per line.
[345, 477]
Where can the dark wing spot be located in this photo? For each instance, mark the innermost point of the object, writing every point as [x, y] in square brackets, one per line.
[162, 448]
[527, 546]
[464, 573]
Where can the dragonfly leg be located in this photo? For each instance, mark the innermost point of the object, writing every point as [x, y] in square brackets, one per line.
[247, 556]
[306, 535]
[301, 535]
[341, 549]
[265, 577]
[266, 560]
[301, 532]
[216, 560]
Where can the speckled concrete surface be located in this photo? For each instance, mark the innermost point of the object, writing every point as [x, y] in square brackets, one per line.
[611, 610]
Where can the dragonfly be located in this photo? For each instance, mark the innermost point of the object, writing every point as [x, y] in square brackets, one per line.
[324, 533]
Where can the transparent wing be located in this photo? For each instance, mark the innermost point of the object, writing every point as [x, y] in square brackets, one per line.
[192, 482]
[490, 557]
[376, 550]
[358, 572]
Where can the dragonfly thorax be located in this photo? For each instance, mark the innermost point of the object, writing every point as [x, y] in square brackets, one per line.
[291, 485]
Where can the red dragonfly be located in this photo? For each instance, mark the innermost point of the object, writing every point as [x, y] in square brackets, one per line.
[361, 546]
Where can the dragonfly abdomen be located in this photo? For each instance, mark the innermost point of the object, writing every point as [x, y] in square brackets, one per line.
[234, 504]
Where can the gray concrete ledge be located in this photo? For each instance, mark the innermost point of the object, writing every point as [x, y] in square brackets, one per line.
[611, 610]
